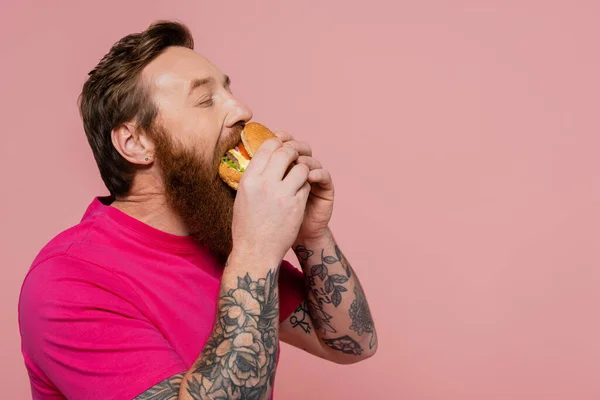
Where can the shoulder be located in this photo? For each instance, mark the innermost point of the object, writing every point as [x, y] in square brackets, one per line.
[56, 250]
[83, 327]
[61, 284]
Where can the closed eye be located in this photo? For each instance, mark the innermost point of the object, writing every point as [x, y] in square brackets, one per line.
[204, 102]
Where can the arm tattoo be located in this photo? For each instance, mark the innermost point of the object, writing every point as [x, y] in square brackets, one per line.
[239, 359]
[331, 289]
[165, 390]
[327, 288]
[301, 318]
[361, 315]
[345, 344]
[328, 292]
[319, 317]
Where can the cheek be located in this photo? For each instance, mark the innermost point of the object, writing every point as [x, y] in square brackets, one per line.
[197, 137]
[200, 131]
[204, 128]
[207, 148]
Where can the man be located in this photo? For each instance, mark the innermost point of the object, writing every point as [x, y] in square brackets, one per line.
[173, 287]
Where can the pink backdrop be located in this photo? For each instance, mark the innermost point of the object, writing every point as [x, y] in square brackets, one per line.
[462, 136]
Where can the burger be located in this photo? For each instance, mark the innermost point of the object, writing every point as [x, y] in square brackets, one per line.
[236, 160]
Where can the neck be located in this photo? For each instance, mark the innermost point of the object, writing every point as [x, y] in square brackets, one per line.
[151, 208]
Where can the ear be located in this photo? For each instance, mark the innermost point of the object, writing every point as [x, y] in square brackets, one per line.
[132, 144]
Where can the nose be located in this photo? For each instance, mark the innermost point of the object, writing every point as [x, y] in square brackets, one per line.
[238, 113]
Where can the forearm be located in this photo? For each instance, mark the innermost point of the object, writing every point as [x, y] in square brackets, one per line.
[337, 304]
[239, 358]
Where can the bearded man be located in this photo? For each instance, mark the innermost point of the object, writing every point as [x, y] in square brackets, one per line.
[174, 286]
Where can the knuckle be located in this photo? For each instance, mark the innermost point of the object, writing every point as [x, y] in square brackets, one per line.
[303, 170]
[287, 153]
[269, 146]
[292, 152]
[272, 143]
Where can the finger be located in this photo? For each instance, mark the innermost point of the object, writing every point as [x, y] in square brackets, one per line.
[296, 178]
[279, 163]
[262, 156]
[310, 162]
[322, 177]
[304, 192]
[283, 136]
[303, 148]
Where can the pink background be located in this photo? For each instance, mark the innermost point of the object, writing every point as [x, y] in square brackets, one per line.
[463, 139]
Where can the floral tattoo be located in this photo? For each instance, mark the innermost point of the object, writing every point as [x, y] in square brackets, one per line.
[239, 359]
[361, 315]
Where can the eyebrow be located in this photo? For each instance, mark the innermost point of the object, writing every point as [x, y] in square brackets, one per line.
[196, 83]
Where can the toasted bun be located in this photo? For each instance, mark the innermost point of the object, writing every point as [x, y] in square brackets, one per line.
[253, 135]
[230, 175]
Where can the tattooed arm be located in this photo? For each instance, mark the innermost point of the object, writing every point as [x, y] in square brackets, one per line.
[334, 322]
[239, 359]
[165, 390]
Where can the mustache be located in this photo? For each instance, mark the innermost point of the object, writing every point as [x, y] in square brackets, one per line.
[232, 140]
[237, 135]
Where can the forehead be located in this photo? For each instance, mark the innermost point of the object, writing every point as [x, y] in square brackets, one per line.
[175, 69]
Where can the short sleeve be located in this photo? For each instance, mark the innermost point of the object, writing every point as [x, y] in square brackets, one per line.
[84, 334]
[292, 289]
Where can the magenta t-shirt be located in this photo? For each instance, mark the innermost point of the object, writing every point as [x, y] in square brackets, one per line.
[112, 306]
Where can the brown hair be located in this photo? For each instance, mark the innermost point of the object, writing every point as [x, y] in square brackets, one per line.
[114, 94]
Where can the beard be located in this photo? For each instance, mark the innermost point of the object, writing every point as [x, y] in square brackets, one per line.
[195, 192]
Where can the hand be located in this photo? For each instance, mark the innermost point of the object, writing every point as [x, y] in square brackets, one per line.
[319, 206]
[269, 208]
